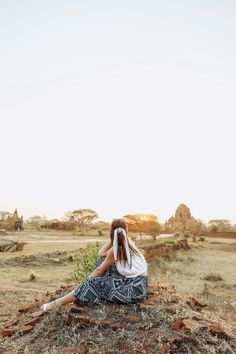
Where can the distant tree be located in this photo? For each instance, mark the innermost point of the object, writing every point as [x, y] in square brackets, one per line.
[4, 215]
[153, 228]
[143, 224]
[36, 220]
[195, 227]
[83, 217]
[222, 225]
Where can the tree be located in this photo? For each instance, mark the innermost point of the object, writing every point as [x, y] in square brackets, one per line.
[143, 224]
[222, 225]
[195, 227]
[36, 220]
[83, 217]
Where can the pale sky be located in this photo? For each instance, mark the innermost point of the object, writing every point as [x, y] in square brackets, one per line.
[119, 106]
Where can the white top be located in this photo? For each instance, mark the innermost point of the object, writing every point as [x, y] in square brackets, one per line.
[138, 266]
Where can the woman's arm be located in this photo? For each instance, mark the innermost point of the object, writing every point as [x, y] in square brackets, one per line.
[104, 250]
[109, 260]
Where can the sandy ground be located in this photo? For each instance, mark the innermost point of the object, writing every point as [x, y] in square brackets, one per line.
[188, 272]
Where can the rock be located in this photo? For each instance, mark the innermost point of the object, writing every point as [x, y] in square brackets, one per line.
[25, 307]
[26, 329]
[177, 324]
[7, 332]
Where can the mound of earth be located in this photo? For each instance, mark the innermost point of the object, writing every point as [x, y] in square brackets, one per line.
[11, 246]
[41, 258]
[164, 322]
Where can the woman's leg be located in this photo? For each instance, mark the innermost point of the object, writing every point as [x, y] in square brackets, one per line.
[60, 302]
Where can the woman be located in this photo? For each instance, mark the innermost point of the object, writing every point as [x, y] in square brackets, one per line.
[120, 276]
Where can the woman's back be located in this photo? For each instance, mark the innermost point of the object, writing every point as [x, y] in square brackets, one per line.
[138, 264]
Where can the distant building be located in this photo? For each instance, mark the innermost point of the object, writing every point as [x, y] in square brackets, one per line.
[182, 216]
[11, 221]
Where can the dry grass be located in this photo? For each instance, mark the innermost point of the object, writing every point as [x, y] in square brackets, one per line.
[148, 335]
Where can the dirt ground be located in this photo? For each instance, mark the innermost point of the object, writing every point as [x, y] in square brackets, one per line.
[206, 271]
[49, 255]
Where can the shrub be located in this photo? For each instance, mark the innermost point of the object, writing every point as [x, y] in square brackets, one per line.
[100, 233]
[213, 277]
[32, 276]
[86, 261]
[170, 242]
[202, 239]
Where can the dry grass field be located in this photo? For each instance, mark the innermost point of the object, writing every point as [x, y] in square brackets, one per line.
[207, 271]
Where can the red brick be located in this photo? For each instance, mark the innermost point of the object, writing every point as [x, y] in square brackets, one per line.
[7, 332]
[177, 324]
[37, 313]
[32, 321]
[25, 307]
[26, 329]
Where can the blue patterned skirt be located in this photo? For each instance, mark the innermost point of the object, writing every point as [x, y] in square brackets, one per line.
[112, 287]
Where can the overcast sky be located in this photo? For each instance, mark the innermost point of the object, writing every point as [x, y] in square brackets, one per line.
[120, 106]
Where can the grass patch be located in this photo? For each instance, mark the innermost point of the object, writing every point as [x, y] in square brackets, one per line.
[170, 242]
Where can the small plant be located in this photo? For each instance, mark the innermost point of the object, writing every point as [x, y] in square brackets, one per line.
[100, 233]
[170, 242]
[202, 239]
[32, 276]
[86, 261]
[213, 277]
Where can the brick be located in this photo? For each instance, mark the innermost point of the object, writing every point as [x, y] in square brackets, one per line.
[26, 329]
[7, 332]
[144, 306]
[76, 309]
[177, 325]
[37, 314]
[32, 321]
[25, 307]
[166, 347]
[192, 325]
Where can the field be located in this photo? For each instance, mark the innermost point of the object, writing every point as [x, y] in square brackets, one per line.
[207, 271]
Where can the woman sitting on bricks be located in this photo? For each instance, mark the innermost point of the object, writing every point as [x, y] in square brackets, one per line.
[120, 275]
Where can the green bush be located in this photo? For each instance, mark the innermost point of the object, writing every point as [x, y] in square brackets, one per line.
[170, 242]
[100, 233]
[202, 239]
[86, 261]
[32, 276]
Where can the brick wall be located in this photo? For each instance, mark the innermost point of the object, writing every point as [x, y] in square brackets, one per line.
[162, 249]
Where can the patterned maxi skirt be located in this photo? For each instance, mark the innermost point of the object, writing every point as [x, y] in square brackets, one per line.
[112, 287]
